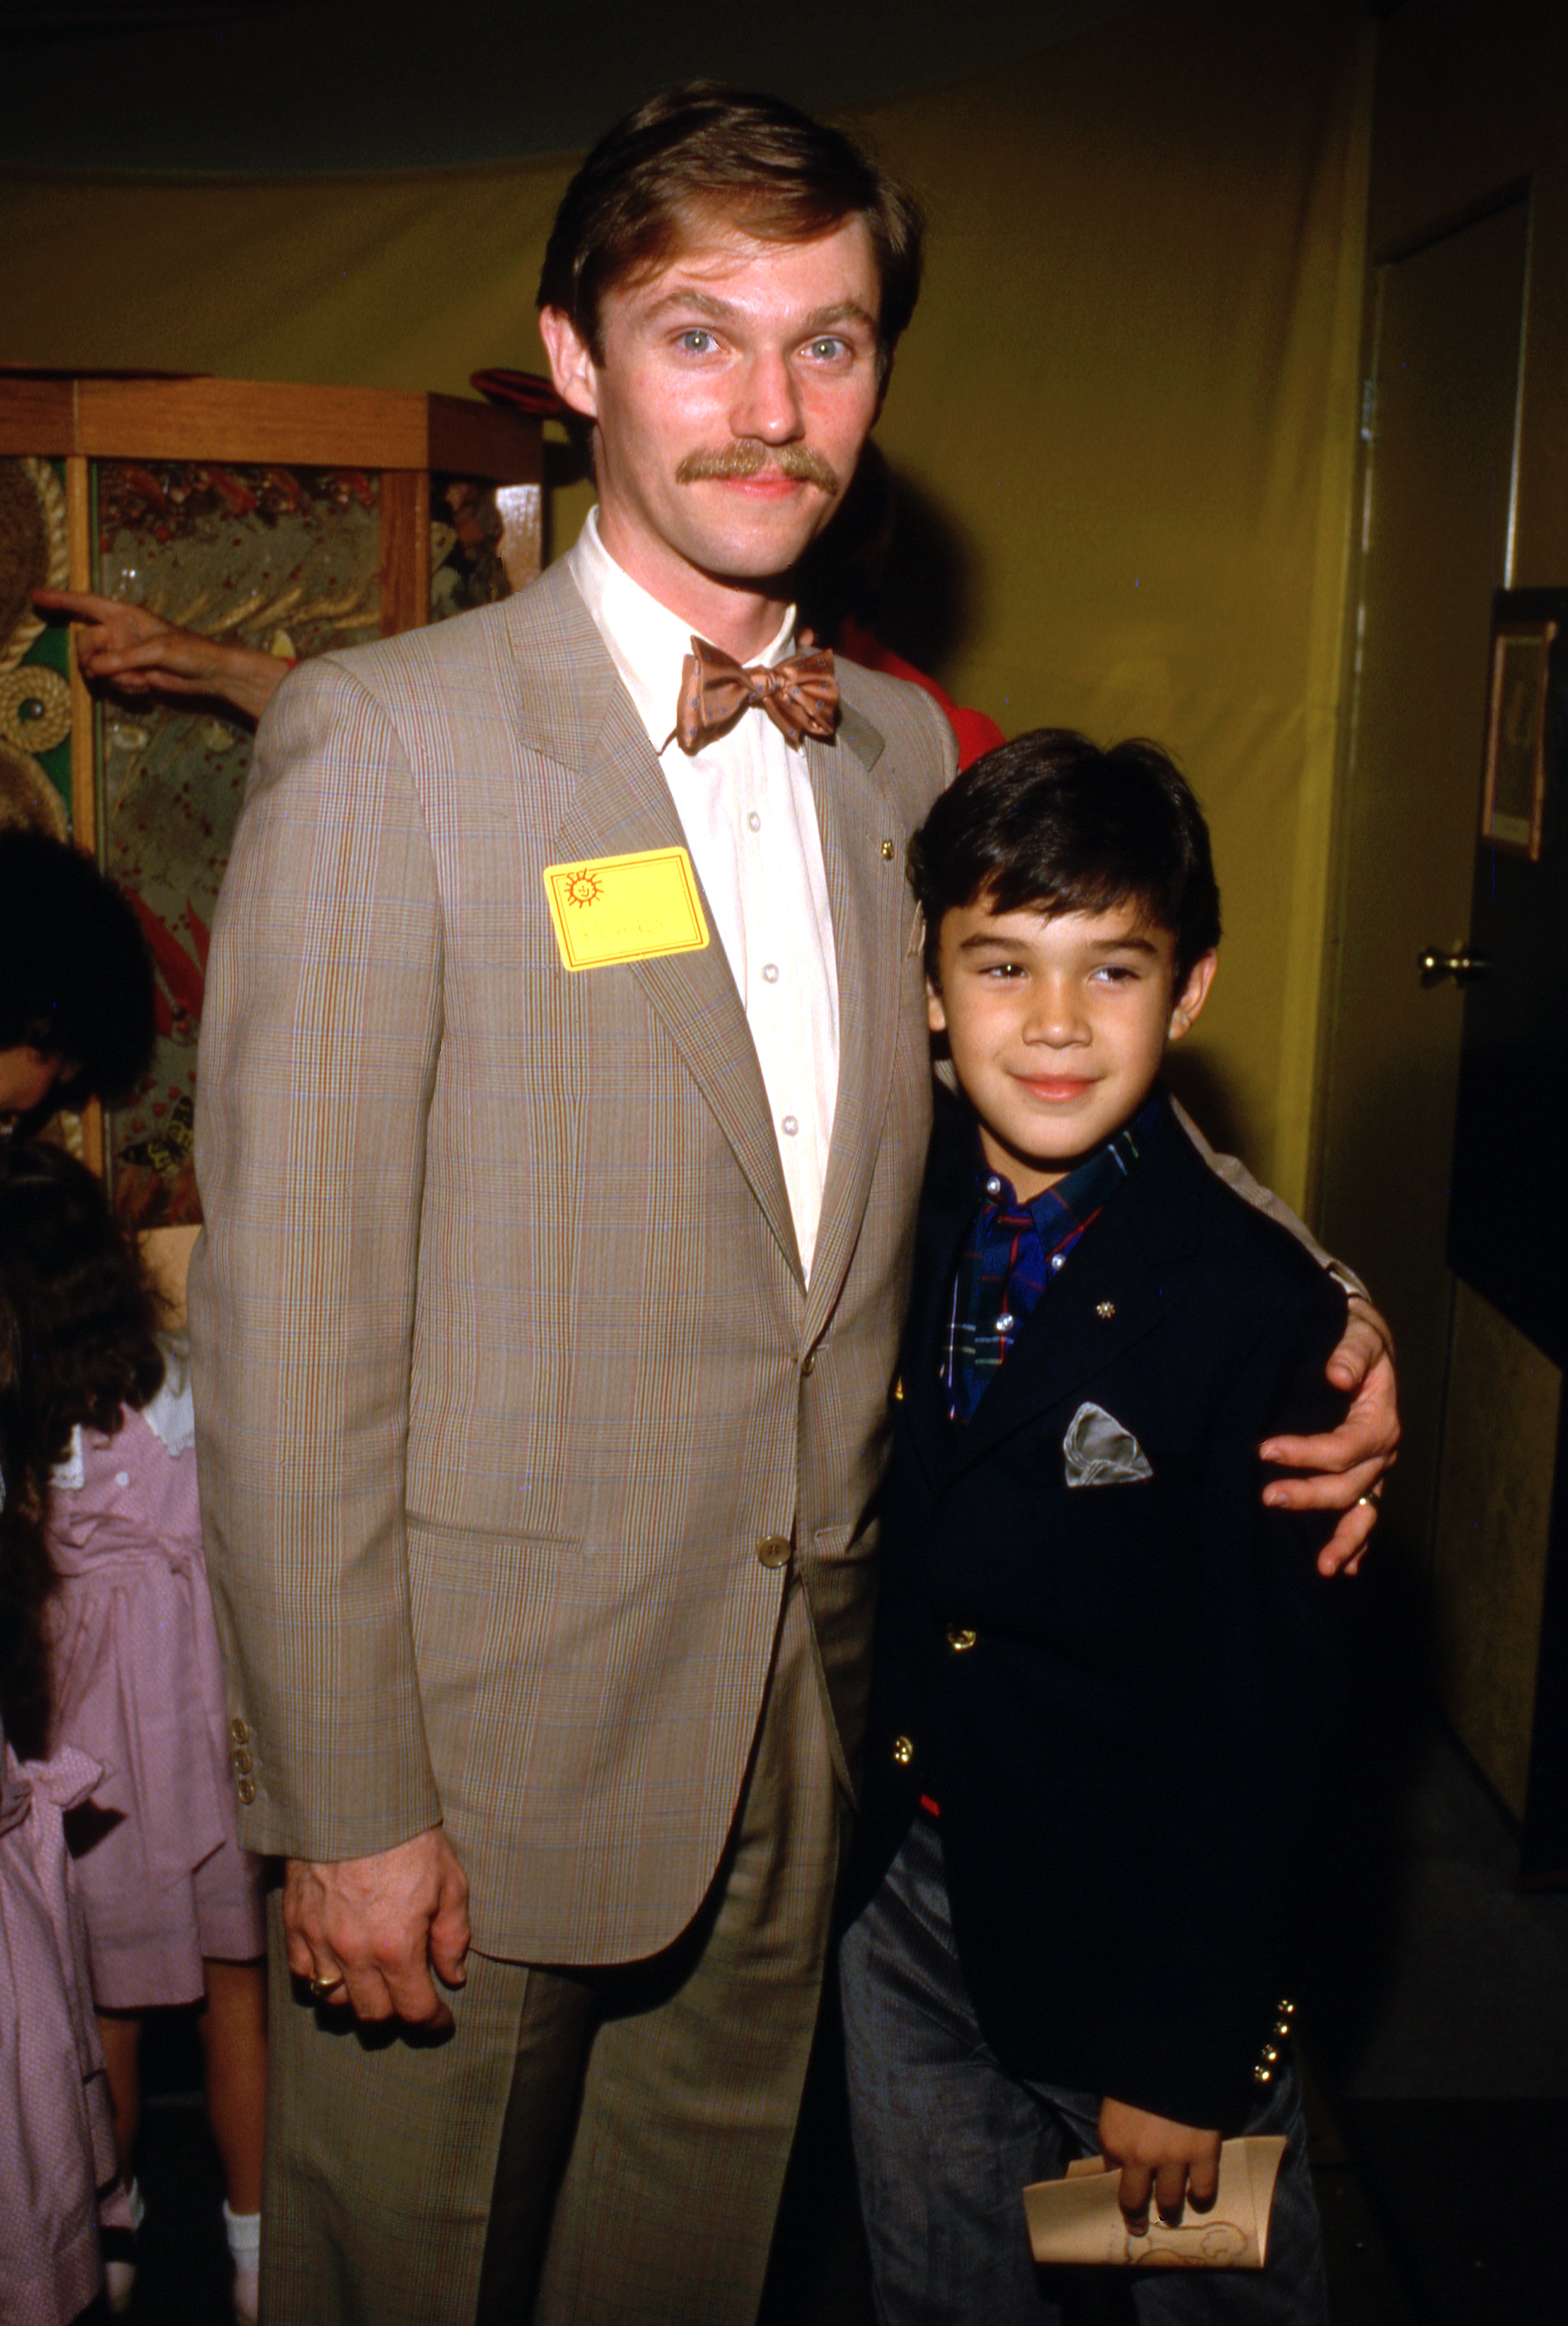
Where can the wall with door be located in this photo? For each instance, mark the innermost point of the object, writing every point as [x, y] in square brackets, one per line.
[1468, 114]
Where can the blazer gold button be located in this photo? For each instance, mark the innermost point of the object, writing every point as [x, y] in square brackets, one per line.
[898, 1390]
[1105, 1310]
[243, 1764]
[238, 1731]
[903, 1750]
[808, 1364]
[245, 1789]
[960, 1637]
[887, 852]
[774, 1550]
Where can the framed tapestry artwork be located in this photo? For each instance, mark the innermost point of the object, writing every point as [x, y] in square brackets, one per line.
[294, 520]
[1514, 794]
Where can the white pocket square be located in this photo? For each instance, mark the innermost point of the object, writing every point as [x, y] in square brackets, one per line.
[1099, 1452]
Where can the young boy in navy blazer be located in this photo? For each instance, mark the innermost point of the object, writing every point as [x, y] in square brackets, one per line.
[1107, 1676]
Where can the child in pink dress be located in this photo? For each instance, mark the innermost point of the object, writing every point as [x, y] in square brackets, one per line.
[58, 2172]
[173, 1905]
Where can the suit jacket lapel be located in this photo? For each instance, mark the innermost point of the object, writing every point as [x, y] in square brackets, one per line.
[867, 895]
[621, 804]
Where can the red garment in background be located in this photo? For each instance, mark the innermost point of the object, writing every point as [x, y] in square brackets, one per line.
[976, 733]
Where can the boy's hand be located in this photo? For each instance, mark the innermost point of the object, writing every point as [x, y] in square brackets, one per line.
[1348, 1463]
[1175, 2161]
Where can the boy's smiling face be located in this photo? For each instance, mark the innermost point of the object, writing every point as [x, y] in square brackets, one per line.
[1056, 1025]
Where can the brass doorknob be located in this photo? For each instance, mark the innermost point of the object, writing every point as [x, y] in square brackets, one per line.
[1462, 967]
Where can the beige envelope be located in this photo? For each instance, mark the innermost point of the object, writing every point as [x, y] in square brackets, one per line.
[1079, 2219]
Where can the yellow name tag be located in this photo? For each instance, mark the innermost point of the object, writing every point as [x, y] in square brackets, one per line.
[615, 908]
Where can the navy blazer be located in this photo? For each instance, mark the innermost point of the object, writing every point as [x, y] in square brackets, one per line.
[1122, 1693]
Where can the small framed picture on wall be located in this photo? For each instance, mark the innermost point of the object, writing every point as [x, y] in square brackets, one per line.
[1514, 797]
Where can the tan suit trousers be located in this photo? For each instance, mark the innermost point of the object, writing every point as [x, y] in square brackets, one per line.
[616, 2138]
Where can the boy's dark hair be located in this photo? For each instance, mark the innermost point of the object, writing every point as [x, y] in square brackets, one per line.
[76, 978]
[1050, 821]
[78, 1324]
[744, 160]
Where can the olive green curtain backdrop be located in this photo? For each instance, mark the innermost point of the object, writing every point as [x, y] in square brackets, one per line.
[1126, 408]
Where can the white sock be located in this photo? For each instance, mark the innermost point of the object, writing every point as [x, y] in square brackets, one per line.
[244, 2233]
[120, 2274]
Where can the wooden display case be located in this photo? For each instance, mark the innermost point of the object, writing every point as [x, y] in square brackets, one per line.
[292, 519]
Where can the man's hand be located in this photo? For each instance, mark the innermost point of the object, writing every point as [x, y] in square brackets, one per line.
[1346, 1463]
[377, 1927]
[1175, 2162]
[134, 652]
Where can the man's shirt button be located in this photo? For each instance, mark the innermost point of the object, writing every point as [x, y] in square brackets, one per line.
[770, 972]
[789, 1126]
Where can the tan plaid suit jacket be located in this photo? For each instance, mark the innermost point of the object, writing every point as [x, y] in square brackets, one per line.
[506, 1365]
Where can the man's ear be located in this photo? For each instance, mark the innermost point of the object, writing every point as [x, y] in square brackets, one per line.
[1193, 994]
[882, 386]
[571, 367]
[935, 1015]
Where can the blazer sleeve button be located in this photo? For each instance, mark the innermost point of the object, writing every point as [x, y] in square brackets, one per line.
[903, 1750]
[774, 1550]
[247, 1791]
[243, 1764]
[238, 1731]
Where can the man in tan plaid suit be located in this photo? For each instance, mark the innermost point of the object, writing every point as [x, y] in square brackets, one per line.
[545, 1317]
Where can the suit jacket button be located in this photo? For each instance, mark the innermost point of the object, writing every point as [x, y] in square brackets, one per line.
[238, 1731]
[774, 1550]
[247, 1791]
[960, 1637]
[903, 1750]
[243, 1764]
[808, 1364]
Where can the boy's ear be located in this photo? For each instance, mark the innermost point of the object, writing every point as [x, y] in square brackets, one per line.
[935, 1015]
[1192, 995]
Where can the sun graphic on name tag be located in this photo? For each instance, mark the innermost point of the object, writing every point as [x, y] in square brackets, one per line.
[584, 888]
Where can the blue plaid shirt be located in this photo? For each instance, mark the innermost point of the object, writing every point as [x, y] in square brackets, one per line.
[1014, 1252]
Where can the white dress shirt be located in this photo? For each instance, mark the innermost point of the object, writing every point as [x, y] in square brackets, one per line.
[745, 806]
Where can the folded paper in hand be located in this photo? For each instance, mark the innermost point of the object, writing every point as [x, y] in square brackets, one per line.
[1099, 1452]
[1079, 2219]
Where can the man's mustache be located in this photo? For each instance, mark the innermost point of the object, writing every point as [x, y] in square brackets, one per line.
[750, 456]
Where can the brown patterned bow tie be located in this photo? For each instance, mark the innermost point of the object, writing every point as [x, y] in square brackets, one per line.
[799, 695]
